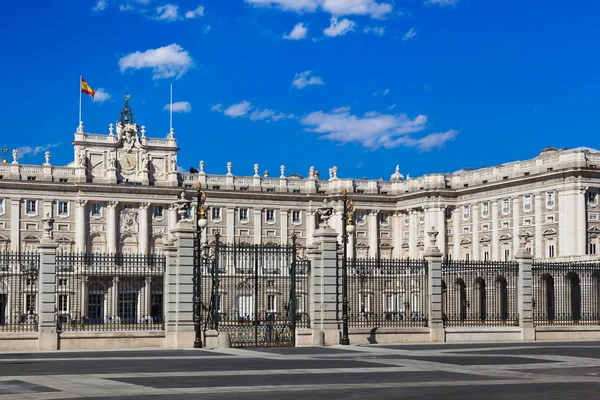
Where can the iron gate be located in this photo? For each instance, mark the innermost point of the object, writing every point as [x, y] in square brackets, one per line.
[256, 293]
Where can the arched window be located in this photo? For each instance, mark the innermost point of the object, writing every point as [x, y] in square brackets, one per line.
[548, 282]
[460, 298]
[502, 298]
[481, 299]
[96, 297]
[574, 295]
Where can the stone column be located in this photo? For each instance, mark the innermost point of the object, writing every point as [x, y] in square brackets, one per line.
[495, 244]
[111, 228]
[181, 287]
[283, 215]
[580, 201]
[373, 234]
[538, 247]
[230, 225]
[323, 282]
[336, 219]
[80, 225]
[144, 231]
[456, 233]
[257, 225]
[15, 224]
[525, 290]
[170, 302]
[47, 335]
[475, 236]
[397, 223]
[310, 226]
[516, 213]
[172, 217]
[441, 228]
[433, 256]
[412, 233]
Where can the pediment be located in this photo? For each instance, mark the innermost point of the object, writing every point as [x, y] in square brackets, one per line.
[4, 239]
[420, 244]
[484, 239]
[362, 245]
[505, 236]
[593, 229]
[385, 246]
[30, 238]
[64, 239]
[549, 232]
[465, 241]
[405, 245]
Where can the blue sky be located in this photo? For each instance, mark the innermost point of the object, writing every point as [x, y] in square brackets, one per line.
[432, 85]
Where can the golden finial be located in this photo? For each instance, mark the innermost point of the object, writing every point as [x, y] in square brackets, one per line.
[198, 186]
[344, 193]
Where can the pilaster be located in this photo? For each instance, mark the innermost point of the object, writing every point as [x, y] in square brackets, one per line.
[283, 223]
[516, 212]
[475, 236]
[80, 224]
[373, 234]
[495, 243]
[144, 231]
[538, 247]
[15, 224]
[525, 290]
[230, 224]
[257, 225]
[111, 229]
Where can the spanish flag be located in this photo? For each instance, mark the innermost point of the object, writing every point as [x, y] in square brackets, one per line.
[85, 88]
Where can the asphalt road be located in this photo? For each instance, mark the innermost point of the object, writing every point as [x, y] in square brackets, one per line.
[566, 370]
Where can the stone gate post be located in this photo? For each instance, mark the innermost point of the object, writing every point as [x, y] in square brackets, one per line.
[180, 281]
[47, 334]
[323, 282]
[525, 290]
[433, 256]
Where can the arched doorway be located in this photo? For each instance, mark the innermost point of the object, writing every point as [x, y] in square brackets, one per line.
[574, 295]
[502, 299]
[548, 281]
[481, 298]
[460, 293]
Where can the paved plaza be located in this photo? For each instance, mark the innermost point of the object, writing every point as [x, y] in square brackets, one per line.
[567, 370]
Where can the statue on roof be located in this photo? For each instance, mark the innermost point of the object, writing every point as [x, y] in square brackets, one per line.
[397, 176]
[127, 129]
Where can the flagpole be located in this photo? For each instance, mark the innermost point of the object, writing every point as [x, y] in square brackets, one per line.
[80, 81]
[171, 110]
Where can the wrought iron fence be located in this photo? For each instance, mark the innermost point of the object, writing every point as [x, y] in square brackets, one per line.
[566, 293]
[18, 291]
[109, 292]
[256, 293]
[480, 293]
[387, 292]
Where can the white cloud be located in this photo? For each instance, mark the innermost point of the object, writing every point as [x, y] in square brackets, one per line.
[377, 30]
[179, 107]
[168, 12]
[238, 110]
[100, 6]
[27, 150]
[334, 7]
[410, 34]
[299, 32]
[339, 28]
[101, 96]
[382, 93]
[304, 79]
[207, 29]
[131, 5]
[429, 142]
[198, 12]
[165, 62]
[245, 109]
[374, 129]
[442, 3]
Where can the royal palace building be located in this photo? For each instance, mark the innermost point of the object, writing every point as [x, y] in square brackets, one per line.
[119, 196]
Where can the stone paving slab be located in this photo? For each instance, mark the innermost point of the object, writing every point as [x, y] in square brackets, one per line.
[21, 387]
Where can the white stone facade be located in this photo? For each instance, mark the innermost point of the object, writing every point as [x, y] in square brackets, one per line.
[119, 193]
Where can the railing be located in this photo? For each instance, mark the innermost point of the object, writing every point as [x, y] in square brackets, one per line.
[566, 293]
[4, 168]
[479, 293]
[99, 138]
[189, 177]
[216, 179]
[269, 181]
[158, 142]
[109, 292]
[31, 170]
[386, 292]
[18, 291]
[63, 171]
[243, 180]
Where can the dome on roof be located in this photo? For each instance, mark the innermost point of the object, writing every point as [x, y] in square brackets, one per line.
[548, 150]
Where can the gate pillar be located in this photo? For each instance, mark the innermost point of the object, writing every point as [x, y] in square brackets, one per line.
[47, 328]
[525, 290]
[433, 256]
[323, 282]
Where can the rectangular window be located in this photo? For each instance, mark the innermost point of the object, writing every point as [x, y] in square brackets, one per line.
[127, 206]
[63, 208]
[485, 227]
[390, 303]
[365, 303]
[465, 229]
[406, 219]
[504, 225]
[550, 219]
[63, 304]
[271, 303]
[550, 251]
[505, 206]
[299, 304]
[384, 218]
[295, 217]
[63, 282]
[31, 206]
[159, 211]
[421, 217]
[466, 212]
[30, 304]
[506, 254]
[96, 210]
[527, 203]
[592, 248]
[485, 209]
[1, 206]
[527, 222]
[592, 197]
[270, 216]
[486, 256]
[593, 217]
[550, 200]
[216, 213]
[243, 212]
[467, 256]
[360, 217]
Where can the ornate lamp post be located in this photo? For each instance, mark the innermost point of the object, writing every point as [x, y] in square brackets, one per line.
[201, 222]
[347, 229]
